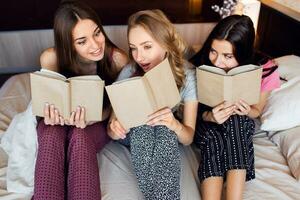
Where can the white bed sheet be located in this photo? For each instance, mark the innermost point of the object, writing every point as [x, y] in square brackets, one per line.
[274, 180]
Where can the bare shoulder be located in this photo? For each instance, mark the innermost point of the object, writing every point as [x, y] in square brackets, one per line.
[48, 59]
[120, 58]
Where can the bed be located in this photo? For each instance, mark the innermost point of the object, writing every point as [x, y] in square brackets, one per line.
[277, 146]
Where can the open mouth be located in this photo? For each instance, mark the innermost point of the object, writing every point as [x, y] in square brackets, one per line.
[97, 52]
[145, 66]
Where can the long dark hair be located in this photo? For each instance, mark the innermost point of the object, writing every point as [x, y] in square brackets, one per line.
[66, 17]
[236, 29]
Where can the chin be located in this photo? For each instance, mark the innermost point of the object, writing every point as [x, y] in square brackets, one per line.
[98, 58]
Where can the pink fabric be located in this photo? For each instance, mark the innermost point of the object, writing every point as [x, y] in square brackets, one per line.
[272, 81]
[66, 166]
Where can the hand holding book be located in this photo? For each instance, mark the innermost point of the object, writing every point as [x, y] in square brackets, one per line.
[161, 117]
[53, 117]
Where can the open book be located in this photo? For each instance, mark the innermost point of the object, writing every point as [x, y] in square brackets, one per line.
[66, 94]
[215, 85]
[134, 99]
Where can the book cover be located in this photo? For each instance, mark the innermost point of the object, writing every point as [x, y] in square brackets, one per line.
[66, 94]
[214, 85]
[134, 99]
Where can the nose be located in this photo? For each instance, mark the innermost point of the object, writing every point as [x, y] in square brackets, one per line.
[139, 56]
[94, 43]
[219, 62]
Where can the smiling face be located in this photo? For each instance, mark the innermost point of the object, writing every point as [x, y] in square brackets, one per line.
[89, 41]
[221, 55]
[146, 51]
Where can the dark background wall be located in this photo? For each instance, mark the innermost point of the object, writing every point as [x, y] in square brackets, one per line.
[278, 34]
[38, 14]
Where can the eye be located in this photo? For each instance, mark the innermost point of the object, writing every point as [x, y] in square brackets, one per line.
[132, 49]
[212, 51]
[147, 47]
[82, 42]
[228, 56]
[98, 33]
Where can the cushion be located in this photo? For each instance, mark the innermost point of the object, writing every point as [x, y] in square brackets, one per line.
[289, 66]
[289, 142]
[282, 110]
[14, 98]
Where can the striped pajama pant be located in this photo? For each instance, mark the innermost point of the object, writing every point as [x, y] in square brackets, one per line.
[225, 147]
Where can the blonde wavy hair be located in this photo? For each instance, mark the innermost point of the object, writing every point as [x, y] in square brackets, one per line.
[162, 30]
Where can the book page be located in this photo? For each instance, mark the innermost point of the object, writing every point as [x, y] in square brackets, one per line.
[127, 79]
[51, 74]
[163, 86]
[130, 102]
[86, 77]
[246, 86]
[88, 94]
[242, 69]
[212, 69]
[231, 72]
[210, 88]
[49, 90]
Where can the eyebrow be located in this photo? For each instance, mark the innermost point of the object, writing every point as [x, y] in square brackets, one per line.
[141, 43]
[225, 54]
[96, 29]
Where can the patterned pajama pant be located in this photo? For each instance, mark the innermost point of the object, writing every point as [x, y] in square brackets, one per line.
[225, 147]
[66, 165]
[156, 161]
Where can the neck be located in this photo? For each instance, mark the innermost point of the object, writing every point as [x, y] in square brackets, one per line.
[85, 67]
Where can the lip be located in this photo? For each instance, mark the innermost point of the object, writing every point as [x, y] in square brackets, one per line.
[145, 66]
[98, 52]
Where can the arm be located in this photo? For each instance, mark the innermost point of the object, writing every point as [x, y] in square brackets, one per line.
[186, 134]
[120, 58]
[115, 130]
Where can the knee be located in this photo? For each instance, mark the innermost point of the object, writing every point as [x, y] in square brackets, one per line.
[164, 132]
[79, 137]
[50, 133]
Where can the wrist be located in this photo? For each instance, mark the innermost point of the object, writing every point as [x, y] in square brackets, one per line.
[178, 128]
[208, 116]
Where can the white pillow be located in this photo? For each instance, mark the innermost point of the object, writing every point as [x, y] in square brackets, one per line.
[289, 143]
[282, 110]
[288, 66]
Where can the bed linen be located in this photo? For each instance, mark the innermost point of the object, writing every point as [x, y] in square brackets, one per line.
[274, 179]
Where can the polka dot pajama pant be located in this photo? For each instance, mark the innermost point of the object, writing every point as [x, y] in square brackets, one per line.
[156, 161]
[66, 165]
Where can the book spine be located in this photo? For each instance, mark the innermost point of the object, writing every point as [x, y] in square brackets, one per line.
[228, 88]
[150, 93]
[67, 101]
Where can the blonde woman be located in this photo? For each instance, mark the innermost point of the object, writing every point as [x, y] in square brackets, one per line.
[155, 146]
